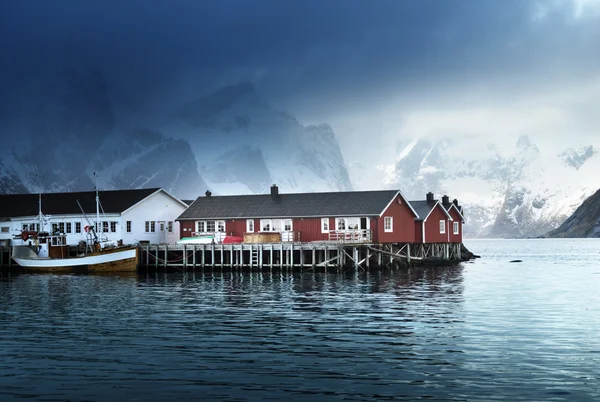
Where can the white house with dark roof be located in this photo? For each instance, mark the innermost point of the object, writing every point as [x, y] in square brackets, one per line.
[128, 215]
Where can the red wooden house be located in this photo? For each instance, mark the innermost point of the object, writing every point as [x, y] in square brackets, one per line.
[433, 222]
[456, 212]
[361, 216]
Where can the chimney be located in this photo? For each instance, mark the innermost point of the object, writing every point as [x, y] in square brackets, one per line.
[430, 197]
[445, 200]
[455, 202]
[208, 193]
[274, 191]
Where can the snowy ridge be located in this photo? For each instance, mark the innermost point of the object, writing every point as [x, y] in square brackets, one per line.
[516, 191]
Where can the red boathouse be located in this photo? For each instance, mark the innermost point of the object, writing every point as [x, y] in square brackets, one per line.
[433, 222]
[352, 216]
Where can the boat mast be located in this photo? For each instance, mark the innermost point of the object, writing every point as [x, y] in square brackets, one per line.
[40, 216]
[97, 205]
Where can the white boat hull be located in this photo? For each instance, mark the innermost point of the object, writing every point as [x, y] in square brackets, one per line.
[113, 260]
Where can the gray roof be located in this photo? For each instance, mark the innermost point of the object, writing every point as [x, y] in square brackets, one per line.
[422, 208]
[301, 205]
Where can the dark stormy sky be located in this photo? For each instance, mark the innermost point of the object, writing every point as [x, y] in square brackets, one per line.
[395, 68]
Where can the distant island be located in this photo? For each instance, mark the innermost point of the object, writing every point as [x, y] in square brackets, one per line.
[585, 221]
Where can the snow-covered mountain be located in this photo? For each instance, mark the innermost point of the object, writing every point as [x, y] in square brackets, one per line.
[508, 191]
[243, 145]
[61, 126]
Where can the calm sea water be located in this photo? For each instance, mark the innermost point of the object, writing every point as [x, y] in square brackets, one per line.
[488, 330]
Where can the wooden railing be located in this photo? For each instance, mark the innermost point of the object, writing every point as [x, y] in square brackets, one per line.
[351, 236]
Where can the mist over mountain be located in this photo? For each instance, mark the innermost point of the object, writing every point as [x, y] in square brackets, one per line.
[65, 125]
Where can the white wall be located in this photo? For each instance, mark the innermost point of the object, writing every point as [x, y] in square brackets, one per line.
[159, 207]
[72, 238]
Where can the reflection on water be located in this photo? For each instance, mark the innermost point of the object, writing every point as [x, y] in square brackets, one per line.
[482, 331]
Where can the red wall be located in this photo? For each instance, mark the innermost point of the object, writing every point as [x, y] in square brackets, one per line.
[457, 218]
[403, 224]
[432, 226]
[186, 228]
[418, 231]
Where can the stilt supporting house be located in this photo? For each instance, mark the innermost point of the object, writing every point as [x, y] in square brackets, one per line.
[299, 255]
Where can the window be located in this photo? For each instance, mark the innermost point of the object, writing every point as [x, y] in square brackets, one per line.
[324, 225]
[61, 227]
[105, 227]
[128, 226]
[249, 225]
[341, 224]
[77, 227]
[388, 224]
[69, 226]
[149, 227]
[4, 229]
[26, 226]
[170, 227]
[113, 227]
[266, 225]
[456, 228]
[162, 226]
[37, 227]
[220, 226]
[201, 227]
[442, 226]
[207, 226]
[210, 226]
[287, 225]
[353, 223]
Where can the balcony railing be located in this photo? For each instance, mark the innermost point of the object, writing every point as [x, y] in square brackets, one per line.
[351, 236]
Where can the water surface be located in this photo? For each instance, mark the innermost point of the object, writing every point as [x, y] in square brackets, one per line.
[488, 330]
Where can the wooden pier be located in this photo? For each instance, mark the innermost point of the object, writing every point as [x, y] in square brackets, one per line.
[298, 255]
[288, 256]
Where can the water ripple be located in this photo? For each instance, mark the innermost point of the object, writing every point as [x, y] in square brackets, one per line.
[484, 331]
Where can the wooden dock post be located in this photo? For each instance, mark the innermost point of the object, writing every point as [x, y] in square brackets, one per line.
[408, 253]
[166, 255]
[203, 255]
[185, 257]
[212, 255]
[314, 251]
[260, 256]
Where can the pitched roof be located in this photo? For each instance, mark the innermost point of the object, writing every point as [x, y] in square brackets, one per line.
[112, 201]
[423, 208]
[458, 209]
[300, 205]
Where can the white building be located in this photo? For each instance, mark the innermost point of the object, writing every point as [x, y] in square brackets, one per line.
[128, 215]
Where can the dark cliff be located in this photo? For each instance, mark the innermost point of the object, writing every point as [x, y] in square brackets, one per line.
[585, 221]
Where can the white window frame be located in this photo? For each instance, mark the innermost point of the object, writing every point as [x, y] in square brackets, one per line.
[456, 228]
[341, 221]
[61, 227]
[200, 227]
[161, 226]
[249, 225]
[220, 226]
[128, 226]
[266, 225]
[113, 227]
[170, 227]
[388, 224]
[150, 227]
[69, 227]
[285, 225]
[77, 227]
[442, 226]
[324, 225]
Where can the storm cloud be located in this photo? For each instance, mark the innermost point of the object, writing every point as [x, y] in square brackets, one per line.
[338, 60]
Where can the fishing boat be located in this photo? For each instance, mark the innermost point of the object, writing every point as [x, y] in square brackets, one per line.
[49, 252]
